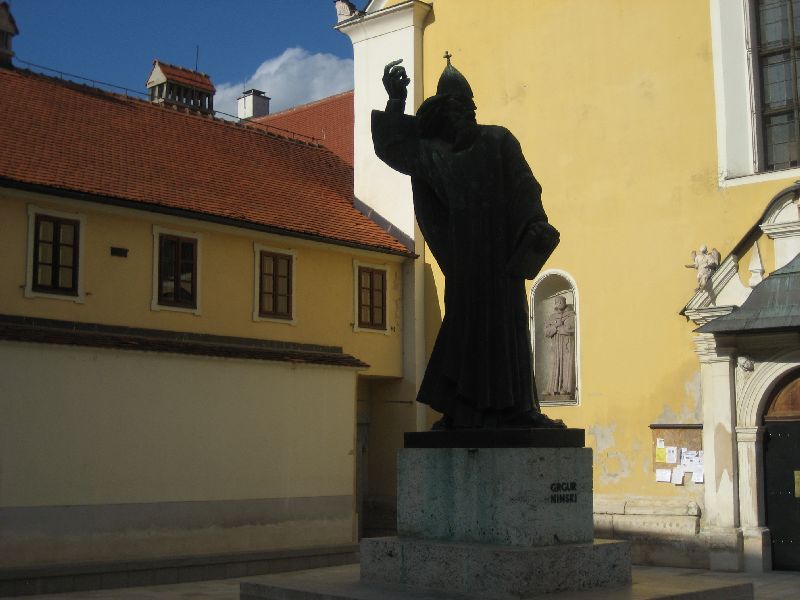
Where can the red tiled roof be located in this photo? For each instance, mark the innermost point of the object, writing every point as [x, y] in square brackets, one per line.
[71, 137]
[186, 77]
[329, 120]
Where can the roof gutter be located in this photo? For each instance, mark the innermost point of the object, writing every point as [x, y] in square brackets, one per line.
[188, 214]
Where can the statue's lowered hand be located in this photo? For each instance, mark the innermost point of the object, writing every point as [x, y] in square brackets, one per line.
[395, 80]
[534, 248]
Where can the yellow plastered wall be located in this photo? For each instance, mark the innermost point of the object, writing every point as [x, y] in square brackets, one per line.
[613, 103]
[87, 434]
[119, 290]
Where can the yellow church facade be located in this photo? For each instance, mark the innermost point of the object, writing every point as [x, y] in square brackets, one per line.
[655, 128]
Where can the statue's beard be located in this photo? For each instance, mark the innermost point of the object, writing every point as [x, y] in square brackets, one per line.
[465, 134]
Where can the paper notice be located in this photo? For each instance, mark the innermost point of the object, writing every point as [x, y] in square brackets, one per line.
[697, 475]
[659, 442]
[661, 455]
[672, 455]
[663, 475]
[690, 461]
[677, 476]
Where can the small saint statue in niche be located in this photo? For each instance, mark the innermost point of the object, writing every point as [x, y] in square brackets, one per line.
[706, 263]
[560, 329]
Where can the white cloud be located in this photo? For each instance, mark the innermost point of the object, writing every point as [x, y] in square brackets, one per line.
[295, 77]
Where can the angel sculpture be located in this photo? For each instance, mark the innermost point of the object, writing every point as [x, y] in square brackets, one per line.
[706, 263]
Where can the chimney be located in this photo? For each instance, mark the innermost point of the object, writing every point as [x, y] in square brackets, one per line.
[345, 10]
[253, 103]
[8, 29]
[170, 84]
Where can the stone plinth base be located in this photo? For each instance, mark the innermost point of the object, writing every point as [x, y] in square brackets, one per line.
[493, 571]
[343, 583]
[511, 496]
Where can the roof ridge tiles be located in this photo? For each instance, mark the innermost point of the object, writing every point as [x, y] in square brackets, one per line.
[184, 109]
[174, 66]
[306, 106]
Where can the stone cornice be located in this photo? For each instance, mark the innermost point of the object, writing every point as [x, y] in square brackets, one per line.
[781, 230]
[703, 315]
[707, 350]
[400, 16]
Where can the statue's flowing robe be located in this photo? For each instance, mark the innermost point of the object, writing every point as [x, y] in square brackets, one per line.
[474, 207]
[560, 328]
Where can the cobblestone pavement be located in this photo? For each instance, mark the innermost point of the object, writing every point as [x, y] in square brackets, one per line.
[778, 585]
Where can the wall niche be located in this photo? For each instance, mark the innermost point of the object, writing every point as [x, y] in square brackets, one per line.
[555, 338]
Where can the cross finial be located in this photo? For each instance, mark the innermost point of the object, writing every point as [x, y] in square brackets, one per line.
[447, 55]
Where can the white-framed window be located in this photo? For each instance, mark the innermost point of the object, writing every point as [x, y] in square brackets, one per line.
[55, 255]
[176, 270]
[756, 48]
[274, 284]
[370, 297]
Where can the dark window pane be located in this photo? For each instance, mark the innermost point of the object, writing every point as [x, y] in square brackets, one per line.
[777, 77]
[65, 256]
[378, 315]
[780, 143]
[55, 255]
[365, 317]
[46, 231]
[67, 234]
[187, 251]
[779, 48]
[167, 251]
[45, 253]
[65, 277]
[44, 276]
[283, 305]
[365, 279]
[276, 287]
[774, 17]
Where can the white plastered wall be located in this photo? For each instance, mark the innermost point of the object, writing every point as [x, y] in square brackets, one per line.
[378, 38]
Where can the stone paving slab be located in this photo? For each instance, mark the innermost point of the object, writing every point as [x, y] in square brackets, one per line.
[343, 583]
[778, 585]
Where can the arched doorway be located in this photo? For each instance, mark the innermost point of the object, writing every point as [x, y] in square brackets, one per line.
[782, 472]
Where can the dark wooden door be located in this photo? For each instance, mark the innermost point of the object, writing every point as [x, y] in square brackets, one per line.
[782, 492]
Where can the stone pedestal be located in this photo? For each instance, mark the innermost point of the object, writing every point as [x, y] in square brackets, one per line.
[505, 496]
[500, 515]
[493, 570]
[483, 518]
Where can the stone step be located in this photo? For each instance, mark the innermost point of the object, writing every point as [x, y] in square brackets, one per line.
[343, 583]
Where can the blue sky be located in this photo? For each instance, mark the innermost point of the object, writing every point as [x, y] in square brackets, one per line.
[287, 48]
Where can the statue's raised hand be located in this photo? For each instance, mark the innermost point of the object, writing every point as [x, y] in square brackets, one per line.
[395, 80]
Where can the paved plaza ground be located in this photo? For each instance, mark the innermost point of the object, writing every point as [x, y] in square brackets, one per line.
[778, 585]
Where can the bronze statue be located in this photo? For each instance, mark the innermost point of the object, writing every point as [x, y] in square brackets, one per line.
[479, 208]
